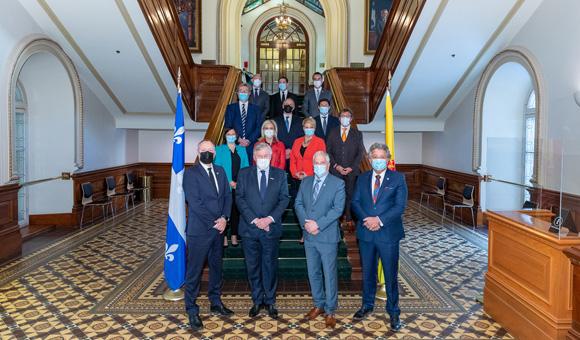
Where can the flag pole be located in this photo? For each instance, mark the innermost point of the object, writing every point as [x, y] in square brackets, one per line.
[177, 294]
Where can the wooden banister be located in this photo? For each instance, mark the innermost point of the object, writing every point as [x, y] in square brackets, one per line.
[216, 126]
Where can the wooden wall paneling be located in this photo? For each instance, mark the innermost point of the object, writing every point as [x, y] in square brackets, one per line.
[573, 254]
[9, 229]
[550, 199]
[210, 82]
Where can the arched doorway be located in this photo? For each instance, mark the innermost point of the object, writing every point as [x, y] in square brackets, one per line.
[506, 131]
[283, 53]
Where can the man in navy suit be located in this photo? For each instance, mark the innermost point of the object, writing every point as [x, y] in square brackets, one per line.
[245, 118]
[209, 202]
[325, 122]
[379, 202]
[262, 197]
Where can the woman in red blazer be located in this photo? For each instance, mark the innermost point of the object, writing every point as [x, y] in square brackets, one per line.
[269, 136]
[304, 149]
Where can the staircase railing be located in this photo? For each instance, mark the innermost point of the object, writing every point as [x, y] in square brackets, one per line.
[216, 125]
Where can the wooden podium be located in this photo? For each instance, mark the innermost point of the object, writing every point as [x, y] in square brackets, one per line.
[528, 285]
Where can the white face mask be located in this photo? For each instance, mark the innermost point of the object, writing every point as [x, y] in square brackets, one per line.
[263, 163]
[269, 133]
[317, 83]
[257, 83]
[345, 121]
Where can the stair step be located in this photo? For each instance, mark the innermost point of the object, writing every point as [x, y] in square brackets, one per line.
[287, 269]
[32, 231]
[288, 249]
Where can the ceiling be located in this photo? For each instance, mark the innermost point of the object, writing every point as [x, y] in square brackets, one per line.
[451, 44]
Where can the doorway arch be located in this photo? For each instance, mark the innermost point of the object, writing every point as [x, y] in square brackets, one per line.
[230, 36]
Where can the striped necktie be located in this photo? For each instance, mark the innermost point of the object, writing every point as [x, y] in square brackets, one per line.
[376, 188]
[244, 116]
[316, 190]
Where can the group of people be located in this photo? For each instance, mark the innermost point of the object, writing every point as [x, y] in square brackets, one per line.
[271, 159]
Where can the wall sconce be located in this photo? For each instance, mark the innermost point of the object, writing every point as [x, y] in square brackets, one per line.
[577, 97]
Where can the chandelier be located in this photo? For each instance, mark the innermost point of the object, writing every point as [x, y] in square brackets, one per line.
[283, 21]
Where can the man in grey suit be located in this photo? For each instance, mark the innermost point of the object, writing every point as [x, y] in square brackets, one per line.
[259, 96]
[318, 205]
[313, 96]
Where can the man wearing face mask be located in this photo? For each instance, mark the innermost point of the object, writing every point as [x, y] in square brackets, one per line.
[314, 95]
[209, 200]
[318, 206]
[262, 197]
[245, 118]
[277, 99]
[346, 148]
[289, 126]
[325, 122]
[260, 97]
[379, 230]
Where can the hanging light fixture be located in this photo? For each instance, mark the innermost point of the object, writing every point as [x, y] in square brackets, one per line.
[283, 21]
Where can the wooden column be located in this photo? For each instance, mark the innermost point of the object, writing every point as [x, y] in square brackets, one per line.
[574, 255]
[528, 285]
[9, 230]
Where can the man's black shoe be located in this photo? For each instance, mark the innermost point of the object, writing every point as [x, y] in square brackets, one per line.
[221, 310]
[195, 322]
[255, 310]
[362, 313]
[272, 311]
[395, 323]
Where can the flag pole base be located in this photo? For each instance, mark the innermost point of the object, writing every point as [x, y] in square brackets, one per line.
[173, 295]
[381, 292]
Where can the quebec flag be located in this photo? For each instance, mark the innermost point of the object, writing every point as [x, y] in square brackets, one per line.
[175, 238]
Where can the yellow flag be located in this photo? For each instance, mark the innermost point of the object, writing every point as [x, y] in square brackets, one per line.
[390, 141]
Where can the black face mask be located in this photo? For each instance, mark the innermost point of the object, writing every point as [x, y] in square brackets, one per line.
[288, 109]
[206, 157]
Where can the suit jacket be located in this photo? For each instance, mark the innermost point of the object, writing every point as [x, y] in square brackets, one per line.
[304, 163]
[263, 101]
[325, 210]
[310, 106]
[251, 205]
[223, 158]
[390, 206]
[205, 205]
[331, 123]
[254, 120]
[276, 103]
[296, 130]
[346, 154]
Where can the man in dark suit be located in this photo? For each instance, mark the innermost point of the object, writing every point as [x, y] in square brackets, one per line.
[346, 148]
[209, 202]
[245, 118]
[379, 202]
[313, 96]
[262, 197]
[277, 99]
[318, 206]
[260, 97]
[325, 122]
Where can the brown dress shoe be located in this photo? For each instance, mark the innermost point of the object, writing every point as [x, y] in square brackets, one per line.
[330, 321]
[314, 312]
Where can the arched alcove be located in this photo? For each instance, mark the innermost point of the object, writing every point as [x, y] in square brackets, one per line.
[230, 39]
[502, 139]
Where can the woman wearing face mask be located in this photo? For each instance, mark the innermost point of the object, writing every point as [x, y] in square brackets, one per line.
[269, 136]
[232, 158]
[303, 152]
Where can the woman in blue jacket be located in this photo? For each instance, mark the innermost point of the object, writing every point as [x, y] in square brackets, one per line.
[232, 158]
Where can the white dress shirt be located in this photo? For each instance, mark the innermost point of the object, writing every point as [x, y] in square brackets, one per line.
[246, 104]
[382, 174]
[347, 131]
[259, 174]
[210, 166]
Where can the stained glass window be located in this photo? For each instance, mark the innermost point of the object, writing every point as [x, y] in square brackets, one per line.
[313, 5]
[253, 4]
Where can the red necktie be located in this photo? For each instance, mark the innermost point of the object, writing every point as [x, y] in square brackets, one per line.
[376, 188]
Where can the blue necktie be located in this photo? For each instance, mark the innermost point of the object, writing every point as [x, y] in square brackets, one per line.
[288, 124]
[263, 184]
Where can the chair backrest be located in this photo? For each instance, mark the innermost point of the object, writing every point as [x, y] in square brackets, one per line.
[130, 184]
[468, 190]
[530, 205]
[111, 185]
[87, 189]
[441, 185]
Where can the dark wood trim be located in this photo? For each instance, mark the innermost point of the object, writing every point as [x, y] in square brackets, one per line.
[9, 229]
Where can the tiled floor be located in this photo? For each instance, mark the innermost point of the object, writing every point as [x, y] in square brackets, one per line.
[54, 292]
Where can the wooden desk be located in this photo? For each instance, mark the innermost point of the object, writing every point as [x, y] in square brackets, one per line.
[574, 255]
[528, 285]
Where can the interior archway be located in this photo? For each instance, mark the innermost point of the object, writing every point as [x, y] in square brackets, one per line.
[230, 36]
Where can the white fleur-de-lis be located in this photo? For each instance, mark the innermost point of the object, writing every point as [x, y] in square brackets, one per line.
[178, 135]
[169, 250]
